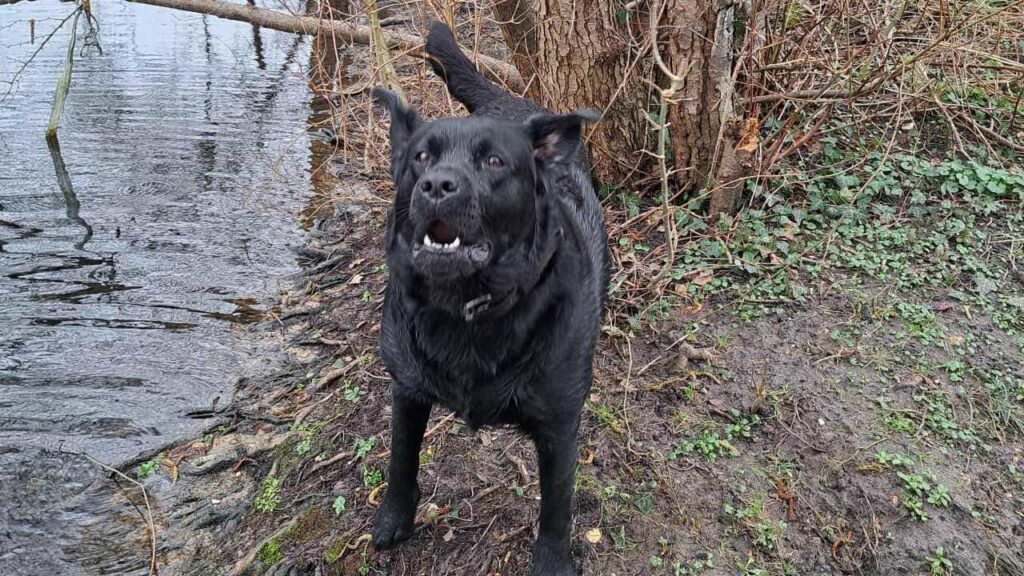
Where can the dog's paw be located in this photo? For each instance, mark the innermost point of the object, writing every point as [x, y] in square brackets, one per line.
[395, 520]
[552, 560]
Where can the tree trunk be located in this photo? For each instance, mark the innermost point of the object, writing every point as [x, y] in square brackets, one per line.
[595, 53]
[712, 145]
[578, 55]
[326, 65]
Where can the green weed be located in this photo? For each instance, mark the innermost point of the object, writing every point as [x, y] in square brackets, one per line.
[764, 532]
[372, 477]
[918, 489]
[713, 444]
[269, 497]
[145, 469]
[307, 431]
[352, 393]
[364, 446]
[938, 564]
[338, 505]
[906, 221]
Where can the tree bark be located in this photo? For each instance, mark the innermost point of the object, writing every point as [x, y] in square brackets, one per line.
[598, 54]
[518, 27]
[326, 63]
[582, 57]
[497, 70]
[711, 139]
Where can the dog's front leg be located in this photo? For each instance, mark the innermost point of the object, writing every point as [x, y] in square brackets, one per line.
[556, 453]
[397, 511]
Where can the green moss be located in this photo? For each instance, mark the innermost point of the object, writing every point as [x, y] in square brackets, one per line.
[335, 551]
[270, 553]
[314, 523]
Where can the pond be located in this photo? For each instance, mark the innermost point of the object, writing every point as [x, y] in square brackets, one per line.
[133, 252]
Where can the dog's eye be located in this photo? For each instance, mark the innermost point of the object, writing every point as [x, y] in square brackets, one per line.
[494, 162]
[423, 157]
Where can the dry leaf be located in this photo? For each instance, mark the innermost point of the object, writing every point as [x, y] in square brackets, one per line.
[703, 278]
[749, 135]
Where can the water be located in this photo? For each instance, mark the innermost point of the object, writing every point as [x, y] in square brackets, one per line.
[131, 254]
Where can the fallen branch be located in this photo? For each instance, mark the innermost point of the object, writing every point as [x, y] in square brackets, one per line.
[497, 70]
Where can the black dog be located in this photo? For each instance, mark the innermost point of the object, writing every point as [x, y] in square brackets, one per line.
[498, 260]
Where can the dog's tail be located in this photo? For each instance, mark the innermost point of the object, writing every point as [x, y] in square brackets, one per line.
[465, 83]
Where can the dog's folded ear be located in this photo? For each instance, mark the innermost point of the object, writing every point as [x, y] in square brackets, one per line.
[404, 120]
[556, 137]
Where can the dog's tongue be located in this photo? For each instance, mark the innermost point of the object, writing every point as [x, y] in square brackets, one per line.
[440, 232]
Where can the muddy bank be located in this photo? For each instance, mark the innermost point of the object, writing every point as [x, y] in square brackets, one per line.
[205, 493]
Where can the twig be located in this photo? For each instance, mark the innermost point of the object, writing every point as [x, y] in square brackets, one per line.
[21, 70]
[149, 511]
[665, 96]
[431, 432]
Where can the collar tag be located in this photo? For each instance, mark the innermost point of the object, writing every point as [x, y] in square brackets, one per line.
[476, 306]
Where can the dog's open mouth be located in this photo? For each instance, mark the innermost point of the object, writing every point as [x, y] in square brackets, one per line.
[444, 243]
[441, 236]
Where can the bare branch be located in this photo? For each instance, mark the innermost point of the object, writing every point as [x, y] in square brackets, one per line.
[397, 41]
[21, 69]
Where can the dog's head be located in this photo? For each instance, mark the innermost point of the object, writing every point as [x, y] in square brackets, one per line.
[470, 192]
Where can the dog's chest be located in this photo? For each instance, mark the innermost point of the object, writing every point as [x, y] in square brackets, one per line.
[483, 376]
[479, 389]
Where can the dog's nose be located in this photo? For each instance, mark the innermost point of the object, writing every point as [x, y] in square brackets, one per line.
[439, 184]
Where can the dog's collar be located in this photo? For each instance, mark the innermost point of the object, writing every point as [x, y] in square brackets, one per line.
[486, 302]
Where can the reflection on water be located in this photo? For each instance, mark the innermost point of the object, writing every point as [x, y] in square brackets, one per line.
[64, 181]
[131, 248]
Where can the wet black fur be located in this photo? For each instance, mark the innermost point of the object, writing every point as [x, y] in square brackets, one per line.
[527, 359]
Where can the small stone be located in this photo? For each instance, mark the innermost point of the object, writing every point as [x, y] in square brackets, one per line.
[594, 535]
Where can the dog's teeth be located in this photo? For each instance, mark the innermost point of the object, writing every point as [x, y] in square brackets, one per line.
[447, 246]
